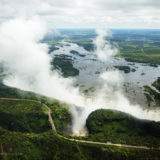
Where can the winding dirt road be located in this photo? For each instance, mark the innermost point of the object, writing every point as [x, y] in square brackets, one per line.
[76, 140]
[50, 118]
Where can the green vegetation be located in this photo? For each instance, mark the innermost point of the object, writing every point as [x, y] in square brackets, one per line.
[87, 44]
[140, 57]
[77, 53]
[118, 127]
[138, 45]
[149, 99]
[61, 116]
[52, 48]
[126, 69]
[65, 64]
[152, 95]
[60, 111]
[156, 84]
[23, 116]
[91, 89]
[44, 146]
[25, 133]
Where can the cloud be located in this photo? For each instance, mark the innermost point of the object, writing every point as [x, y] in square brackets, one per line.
[104, 50]
[86, 13]
[27, 61]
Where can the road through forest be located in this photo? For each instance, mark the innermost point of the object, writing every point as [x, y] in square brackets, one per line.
[76, 140]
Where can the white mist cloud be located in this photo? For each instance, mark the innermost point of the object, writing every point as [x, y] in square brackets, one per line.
[104, 50]
[28, 63]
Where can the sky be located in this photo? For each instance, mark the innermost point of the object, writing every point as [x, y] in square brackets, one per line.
[86, 13]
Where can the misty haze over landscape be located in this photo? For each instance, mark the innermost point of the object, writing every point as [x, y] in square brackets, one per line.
[79, 81]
